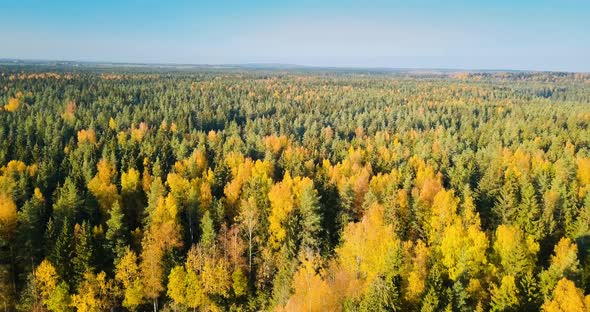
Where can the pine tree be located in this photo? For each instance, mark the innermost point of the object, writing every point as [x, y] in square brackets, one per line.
[529, 214]
[30, 229]
[116, 234]
[309, 209]
[67, 204]
[207, 231]
[62, 251]
[507, 201]
[83, 253]
[569, 209]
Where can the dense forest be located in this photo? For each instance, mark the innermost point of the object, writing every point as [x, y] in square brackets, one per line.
[246, 190]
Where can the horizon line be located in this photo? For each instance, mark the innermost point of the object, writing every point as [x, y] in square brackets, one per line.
[273, 65]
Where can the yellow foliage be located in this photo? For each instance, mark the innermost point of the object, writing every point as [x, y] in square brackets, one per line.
[282, 202]
[127, 273]
[505, 297]
[14, 167]
[565, 257]
[8, 216]
[367, 246]
[121, 138]
[215, 277]
[444, 213]
[112, 124]
[130, 181]
[194, 291]
[517, 253]
[567, 298]
[87, 136]
[93, 293]
[312, 293]
[126, 269]
[179, 186]
[38, 195]
[464, 250]
[275, 143]
[418, 271]
[163, 234]
[177, 285]
[193, 166]
[13, 104]
[583, 174]
[146, 180]
[138, 133]
[46, 278]
[428, 184]
[102, 187]
[284, 197]
[583, 171]
[352, 173]
[380, 184]
[33, 170]
[241, 170]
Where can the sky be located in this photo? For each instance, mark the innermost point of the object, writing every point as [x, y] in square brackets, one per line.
[493, 34]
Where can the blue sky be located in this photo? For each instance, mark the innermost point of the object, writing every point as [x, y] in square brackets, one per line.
[500, 34]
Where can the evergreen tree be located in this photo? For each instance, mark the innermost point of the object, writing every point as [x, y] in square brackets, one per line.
[309, 208]
[116, 235]
[207, 230]
[67, 203]
[529, 215]
[62, 252]
[83, 253]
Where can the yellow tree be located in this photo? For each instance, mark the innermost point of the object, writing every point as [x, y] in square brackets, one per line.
[94, 293]
[208, 274]
[368, 247]
[312, 293]
[128, 275]
[86, 136]
[464, 244]
[286, 198]
[583, 175]
[8, 216]
[282, 202]
[54, 294]
[163, 234]
[567, 298]
[505, 297]
[248, 219]
[463, 250]
[417, 272]
[177, 285]
[215, 277]
[130, 182]
[102, 186]
[444, 213]
[46, 278]
[194, 292]
[12, 105]
[517, 254]
[564, 263]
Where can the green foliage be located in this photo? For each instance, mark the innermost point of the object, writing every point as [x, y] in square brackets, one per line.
[116, 234]
[211, 189]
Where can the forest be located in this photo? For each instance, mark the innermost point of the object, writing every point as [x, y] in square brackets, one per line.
[137, 189]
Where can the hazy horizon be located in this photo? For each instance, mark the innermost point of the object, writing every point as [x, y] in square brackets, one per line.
[529, 35]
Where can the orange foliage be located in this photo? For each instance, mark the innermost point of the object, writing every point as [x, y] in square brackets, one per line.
[69, 113]
[87, 136]
[138, 133]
